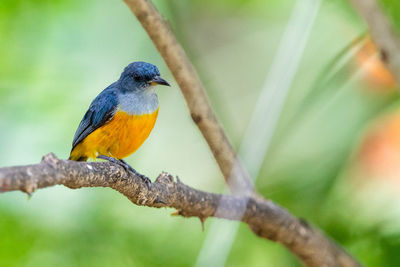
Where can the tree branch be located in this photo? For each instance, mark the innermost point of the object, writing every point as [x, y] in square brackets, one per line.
[195, 95]
[264, 217]
[268, 220]
[382, 32]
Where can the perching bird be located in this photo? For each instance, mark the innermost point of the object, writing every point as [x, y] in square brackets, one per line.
[120, 118]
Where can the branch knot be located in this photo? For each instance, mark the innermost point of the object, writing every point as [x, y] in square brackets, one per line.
[166, 179]
[51, 159]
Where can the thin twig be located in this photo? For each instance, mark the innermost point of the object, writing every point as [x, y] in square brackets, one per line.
[263, 216]
[382, 33]
[312, 247]
[193, 90]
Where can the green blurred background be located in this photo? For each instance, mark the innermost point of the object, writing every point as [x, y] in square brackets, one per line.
[334, 158]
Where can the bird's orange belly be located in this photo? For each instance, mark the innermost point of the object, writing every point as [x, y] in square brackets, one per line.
[119, 138]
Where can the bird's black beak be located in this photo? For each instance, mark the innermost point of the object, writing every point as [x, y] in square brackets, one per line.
[158, 80]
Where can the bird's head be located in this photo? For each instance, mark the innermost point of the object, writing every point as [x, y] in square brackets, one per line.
[140, 76]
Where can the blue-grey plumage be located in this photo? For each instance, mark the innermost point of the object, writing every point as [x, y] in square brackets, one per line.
[132, 94]
[101, 110]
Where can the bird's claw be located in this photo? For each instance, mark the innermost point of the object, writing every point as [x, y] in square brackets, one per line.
[127, 168]
[141, 176]
[146, 180]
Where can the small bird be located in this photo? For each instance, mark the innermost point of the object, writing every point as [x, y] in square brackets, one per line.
[120, 118]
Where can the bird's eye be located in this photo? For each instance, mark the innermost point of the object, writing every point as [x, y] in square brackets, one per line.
[136, 78]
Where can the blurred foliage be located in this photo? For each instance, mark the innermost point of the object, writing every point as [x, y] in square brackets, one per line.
[57, 56]
[392, 8]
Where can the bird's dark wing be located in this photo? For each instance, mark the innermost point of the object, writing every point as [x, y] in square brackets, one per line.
[101, 110]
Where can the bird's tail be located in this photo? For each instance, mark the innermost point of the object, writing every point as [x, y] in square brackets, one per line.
[76, 156]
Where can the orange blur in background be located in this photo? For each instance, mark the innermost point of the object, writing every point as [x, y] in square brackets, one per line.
[376, 73]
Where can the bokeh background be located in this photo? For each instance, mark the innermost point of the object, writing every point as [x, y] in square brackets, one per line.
[334, 158]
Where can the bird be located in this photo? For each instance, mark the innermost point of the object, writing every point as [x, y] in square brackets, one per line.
[120, 118]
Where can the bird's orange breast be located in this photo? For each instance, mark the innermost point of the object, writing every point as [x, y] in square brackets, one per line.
[118, 138]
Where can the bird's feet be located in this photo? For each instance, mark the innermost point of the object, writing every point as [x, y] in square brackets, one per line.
[143, 177]
[127, 167]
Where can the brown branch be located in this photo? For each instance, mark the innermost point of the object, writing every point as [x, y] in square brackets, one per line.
[193, 90]
[265, 218]
[382, 33]
[269, 221]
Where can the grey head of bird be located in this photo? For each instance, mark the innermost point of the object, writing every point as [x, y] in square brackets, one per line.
[139, 76]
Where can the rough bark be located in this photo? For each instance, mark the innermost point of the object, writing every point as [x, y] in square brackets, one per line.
[267, 219]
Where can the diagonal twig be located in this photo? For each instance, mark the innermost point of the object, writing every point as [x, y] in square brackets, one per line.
[195, 95]
[320, 251]
[382, 33]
